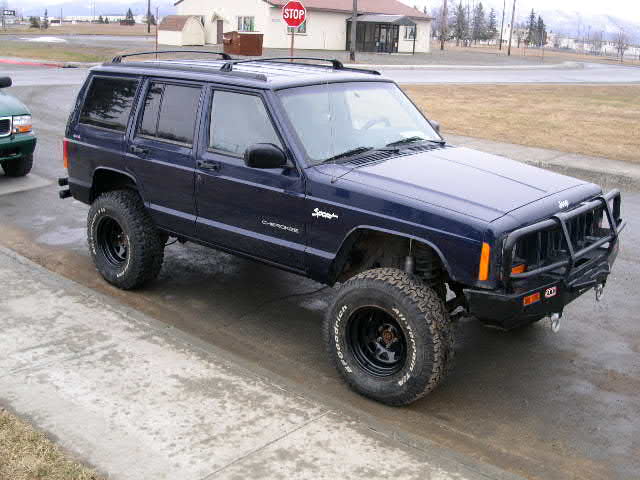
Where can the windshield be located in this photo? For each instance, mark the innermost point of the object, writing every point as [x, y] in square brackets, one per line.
[334, 119]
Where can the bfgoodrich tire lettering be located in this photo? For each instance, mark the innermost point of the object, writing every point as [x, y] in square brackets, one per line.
[124, 243]
[411, 313]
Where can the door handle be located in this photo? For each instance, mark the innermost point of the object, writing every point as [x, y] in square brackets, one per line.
[208, 165]
[138, 150]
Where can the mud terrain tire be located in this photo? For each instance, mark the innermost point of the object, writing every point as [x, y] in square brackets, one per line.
[399, 310]
[126, 246]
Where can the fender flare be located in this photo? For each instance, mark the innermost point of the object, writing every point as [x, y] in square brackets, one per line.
[119, 172]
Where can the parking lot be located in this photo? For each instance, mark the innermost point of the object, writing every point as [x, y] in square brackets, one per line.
[538, 404]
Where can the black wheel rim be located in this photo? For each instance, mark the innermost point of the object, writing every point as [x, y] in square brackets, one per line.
[112, 241]
[377, 341]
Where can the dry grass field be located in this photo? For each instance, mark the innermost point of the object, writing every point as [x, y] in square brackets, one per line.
[56, 52]
[593, 120]
[26, 454]
[82, 29]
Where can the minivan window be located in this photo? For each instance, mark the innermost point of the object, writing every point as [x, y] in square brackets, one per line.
[108, 103]
[170, 113]
[238, 121]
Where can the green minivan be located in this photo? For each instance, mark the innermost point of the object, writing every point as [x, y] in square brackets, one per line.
[17, 141]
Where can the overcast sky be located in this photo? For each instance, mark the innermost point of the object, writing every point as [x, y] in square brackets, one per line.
[627, 9]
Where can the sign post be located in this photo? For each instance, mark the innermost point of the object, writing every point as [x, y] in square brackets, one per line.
[294, 14]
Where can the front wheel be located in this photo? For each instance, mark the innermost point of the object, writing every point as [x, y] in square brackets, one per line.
[125, 244]
[389, 336]
[18, 167]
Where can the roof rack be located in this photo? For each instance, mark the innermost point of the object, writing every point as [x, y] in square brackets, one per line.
[192, 68]
[336, 64]
[118, 58]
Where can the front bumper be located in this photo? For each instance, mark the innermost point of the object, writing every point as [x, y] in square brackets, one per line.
[545, 290]
[17, 146]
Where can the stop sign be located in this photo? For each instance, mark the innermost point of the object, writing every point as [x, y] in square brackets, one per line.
[294, 14]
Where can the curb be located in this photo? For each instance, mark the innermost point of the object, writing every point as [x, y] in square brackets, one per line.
[557, 66]
[45, 63]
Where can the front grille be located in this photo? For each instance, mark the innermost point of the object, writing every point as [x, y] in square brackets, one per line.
[5, 126]
[549, 246]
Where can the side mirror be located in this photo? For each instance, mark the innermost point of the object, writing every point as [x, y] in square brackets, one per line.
[5, 82]
[264, 155]
[435, 125]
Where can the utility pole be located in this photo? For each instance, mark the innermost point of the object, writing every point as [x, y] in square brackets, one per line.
[513, 19]
[444, 26]
[148, 16]
[504, 6]
[354, 26]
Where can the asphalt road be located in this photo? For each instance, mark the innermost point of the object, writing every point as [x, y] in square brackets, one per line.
[542, 405]
[590, 74]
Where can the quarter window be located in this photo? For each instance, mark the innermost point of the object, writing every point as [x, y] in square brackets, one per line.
[170, 113]
[246, 24]
[239, 121]
[108, 103]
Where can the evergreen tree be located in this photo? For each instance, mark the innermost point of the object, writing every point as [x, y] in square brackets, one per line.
[106, 20]
[532, 28]
[460, 24]
[492, 28]
[45, 20]
[152, 20]
[129, 17]
[100, 19]
[541, 37]
[34, 22]
[479, 31]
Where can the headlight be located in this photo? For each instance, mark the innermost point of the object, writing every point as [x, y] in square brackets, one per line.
[22, 124]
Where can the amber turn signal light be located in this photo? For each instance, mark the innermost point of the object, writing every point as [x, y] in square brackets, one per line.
[529, 299]
[519, 268]
[485, 256]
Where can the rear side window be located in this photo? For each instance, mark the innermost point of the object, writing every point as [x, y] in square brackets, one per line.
[108, 103]
[170, 113]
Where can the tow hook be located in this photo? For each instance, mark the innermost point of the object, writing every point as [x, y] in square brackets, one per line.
[555, 322]
[599, 288]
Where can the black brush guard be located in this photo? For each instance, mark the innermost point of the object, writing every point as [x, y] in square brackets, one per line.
[557, 283]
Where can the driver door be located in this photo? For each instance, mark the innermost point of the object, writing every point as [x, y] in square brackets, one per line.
[257, 212]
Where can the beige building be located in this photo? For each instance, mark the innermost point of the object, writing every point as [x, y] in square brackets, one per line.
[383, 25]
[181, 30]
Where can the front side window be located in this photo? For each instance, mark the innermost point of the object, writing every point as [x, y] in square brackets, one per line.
[336, 118]
[108, 103]
[246, 24]
[238, 121]
[170, 113]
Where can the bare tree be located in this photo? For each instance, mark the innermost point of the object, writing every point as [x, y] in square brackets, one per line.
[596, 43]
[622, 44]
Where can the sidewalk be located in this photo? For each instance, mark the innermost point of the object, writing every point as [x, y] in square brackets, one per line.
[139, 400]
[605, 172]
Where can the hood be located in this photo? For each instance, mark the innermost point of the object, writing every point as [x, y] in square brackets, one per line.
[467, 181]
[10, 105]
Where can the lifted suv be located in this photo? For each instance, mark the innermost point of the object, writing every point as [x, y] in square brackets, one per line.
[17, 141]
[334, 174]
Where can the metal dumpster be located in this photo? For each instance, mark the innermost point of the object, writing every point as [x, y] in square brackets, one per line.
[243, 43]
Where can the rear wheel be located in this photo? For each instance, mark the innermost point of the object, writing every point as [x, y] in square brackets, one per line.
[18, 167]
[389, 336]
[125, 245]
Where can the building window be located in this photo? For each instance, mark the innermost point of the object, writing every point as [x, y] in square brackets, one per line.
[302, 29]
[410, 33]
[246, 24]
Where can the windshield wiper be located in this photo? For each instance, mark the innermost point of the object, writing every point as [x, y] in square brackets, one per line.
[348, 153]
[413, 140]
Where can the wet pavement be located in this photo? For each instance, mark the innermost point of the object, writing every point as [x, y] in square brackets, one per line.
[538, 404]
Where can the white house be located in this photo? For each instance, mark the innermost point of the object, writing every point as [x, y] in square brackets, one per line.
[383, 25]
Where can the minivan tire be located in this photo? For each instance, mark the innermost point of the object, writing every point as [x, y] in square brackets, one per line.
[414, 345]
[18, 167]
[126, 247]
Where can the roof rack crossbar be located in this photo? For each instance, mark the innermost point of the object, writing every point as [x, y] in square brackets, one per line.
[118, 58]
[336, 64]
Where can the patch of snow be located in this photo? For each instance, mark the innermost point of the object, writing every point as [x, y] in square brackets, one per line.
[45, 40]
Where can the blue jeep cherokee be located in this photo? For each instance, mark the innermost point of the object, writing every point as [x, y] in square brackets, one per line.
[334, 174]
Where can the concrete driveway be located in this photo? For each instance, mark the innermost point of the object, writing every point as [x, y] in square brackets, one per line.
[541, 405]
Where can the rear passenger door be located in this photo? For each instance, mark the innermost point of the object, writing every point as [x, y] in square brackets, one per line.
[161, 148]
[259, 212]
